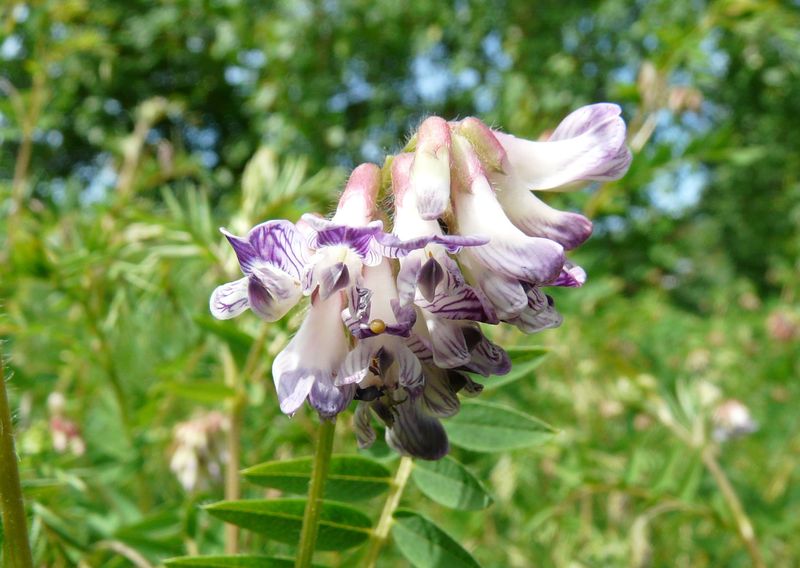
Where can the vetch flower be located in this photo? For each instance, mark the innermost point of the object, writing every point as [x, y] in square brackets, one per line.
[273, 259]
[308, 367]
[588, 145]
[430, 174]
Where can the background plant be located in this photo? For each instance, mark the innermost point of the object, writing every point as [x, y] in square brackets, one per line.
[131, 131]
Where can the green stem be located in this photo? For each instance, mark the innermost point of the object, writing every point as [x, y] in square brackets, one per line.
[743, 525]
[322, 459]
[381, 533]
[16, 549]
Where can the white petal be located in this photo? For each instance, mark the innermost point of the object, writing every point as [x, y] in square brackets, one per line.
[229, 300]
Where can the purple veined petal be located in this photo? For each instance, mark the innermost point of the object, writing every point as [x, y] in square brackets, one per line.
[280, 244]
[421, 347]
[539, 315]
[572, 276]
[409, 369]
[229, 300]
[277, 243]
[429, 277]
[510, 251]
[307, 359]
[356, 314]
[454, 299]
[356, 365]
[505, 294]
[439, 398]
[329, 399]
[407, 278]
[449, 347]
[332, 279]
[271, 292]
[362, 423]
[454, 243]
[537, 219]
[415, 433]
[430, 171]
[588, 145]
[486, 358]
[324, 233]
[529, 259]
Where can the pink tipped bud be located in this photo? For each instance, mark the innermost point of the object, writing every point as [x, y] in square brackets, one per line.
[401, 176]
[357, 203]
[485, 143]
[430, 174]
[467, 166]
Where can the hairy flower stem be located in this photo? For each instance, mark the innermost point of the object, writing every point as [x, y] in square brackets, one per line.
[743, 524]
[322, 460]
[16, 548]
[381, 532]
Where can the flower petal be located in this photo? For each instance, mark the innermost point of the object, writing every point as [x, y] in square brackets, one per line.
[540, 313]
[414, 433]
[329, 399]
[229, 300]
[430, 172]
[306, 359]
[280, 244]
[537, 219]
[332, 279]
[588, 145]
[449, 347]
[439, 397]
[271, 292]
[486, 358]
[356, 365]
[530, 259]
[409, 369]
[572, 276]
[362, 422]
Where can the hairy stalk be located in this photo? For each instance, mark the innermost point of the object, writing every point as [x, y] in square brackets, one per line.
[743, 525]
[381, 532]
[322, 459]
[16, 549]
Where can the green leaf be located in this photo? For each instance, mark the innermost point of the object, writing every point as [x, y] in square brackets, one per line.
[487, 427]
[236, 561]
[340, 526]
[449, 483]
[350, 478]
[427, 546]
[524, 359]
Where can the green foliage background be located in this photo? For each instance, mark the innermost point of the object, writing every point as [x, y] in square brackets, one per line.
[131, 130]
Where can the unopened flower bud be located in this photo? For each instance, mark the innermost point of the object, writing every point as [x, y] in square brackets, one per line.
[484, 142]
[430, 174]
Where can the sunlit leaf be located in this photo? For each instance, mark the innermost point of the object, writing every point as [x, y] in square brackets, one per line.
[340, 526]
[449, 483]
[427, 546]
[350, 478]
[487, 427]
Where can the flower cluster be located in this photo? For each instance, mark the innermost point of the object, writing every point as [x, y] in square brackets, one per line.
[394, 316]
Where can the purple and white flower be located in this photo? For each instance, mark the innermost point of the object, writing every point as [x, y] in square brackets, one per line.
[589, 144]
[308, 367]
[273, 259]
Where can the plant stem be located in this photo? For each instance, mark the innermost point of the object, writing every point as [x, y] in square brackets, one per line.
[381, 532]
[743, 524]
[233, 444]
[322, 459]
[16, 549]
